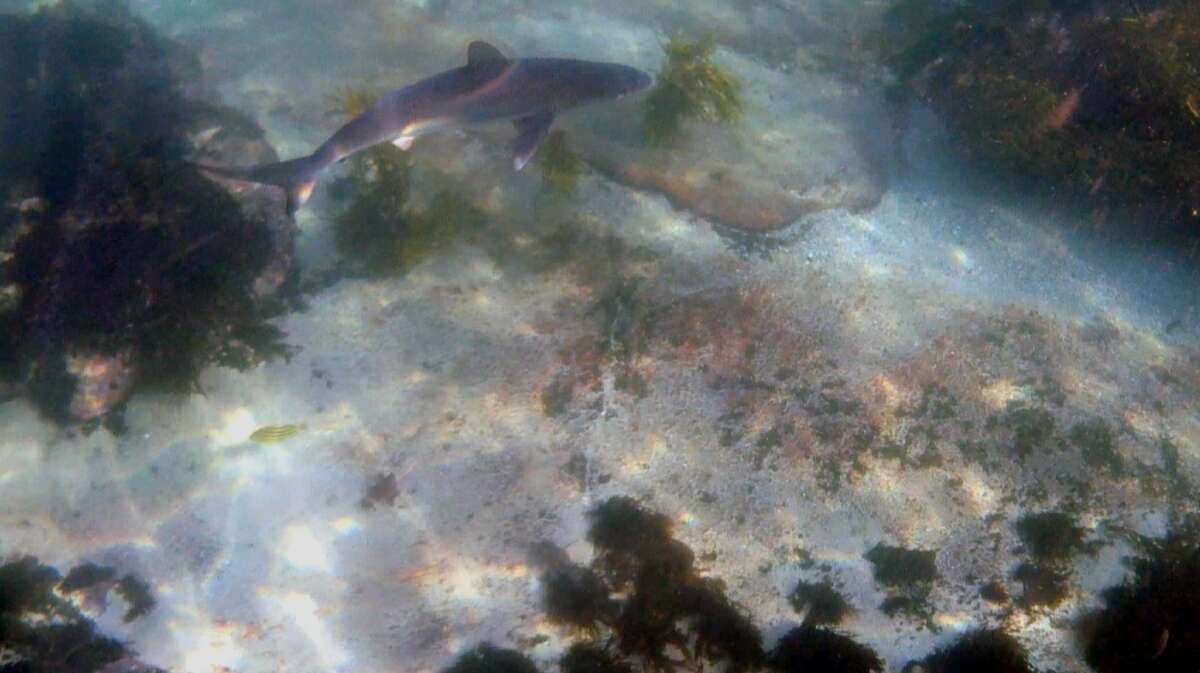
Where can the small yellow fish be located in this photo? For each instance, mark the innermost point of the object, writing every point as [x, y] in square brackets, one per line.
[269, 434]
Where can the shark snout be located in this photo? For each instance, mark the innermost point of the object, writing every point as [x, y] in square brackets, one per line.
[638, 81]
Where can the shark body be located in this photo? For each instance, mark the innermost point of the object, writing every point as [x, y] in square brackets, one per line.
[490, 87]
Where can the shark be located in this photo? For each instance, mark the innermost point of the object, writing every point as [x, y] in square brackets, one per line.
[491, 87]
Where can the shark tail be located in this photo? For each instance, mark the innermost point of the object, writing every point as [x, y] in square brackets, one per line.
[297, 177]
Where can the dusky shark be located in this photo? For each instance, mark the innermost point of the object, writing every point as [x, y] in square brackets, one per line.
[490, 87]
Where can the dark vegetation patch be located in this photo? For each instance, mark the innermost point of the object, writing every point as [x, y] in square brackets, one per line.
[1151, 622]
[641, 605]
[994, 592]
[379, 233]
[487, 658]
[908, 575]
[808, 648]
[589, 658]
[126, 269]
[1052, 540]
[382, 492]
[1043, 585]
[979, 651]
[1094, 97]
[86, 576]
[1051, 536]
[1032, 429]
[42, 632]
[1098, 445]
[819, 602]
[137, 596]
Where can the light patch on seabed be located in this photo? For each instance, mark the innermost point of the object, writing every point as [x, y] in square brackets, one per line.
[235, 427]
[306, 614]
[301, 548]
[208, 647]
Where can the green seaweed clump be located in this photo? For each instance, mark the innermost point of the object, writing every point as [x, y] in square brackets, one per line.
[1100, 97]
[42, 632]
[980, 651]
[380, 233]
[1150, 623]
[560, 166]
[908, 575]
[124, 268]
[690, 85]
[351, 101]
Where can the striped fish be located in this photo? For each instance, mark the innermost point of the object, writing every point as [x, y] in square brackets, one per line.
[270, 434]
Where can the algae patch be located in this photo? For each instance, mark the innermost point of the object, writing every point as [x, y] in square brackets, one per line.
[690, 85]
[908, 575]
[561, 167]
[379, 233]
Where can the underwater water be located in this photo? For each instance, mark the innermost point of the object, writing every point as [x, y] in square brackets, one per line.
[866, 339]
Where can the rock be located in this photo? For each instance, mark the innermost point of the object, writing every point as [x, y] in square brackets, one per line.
[103, 382]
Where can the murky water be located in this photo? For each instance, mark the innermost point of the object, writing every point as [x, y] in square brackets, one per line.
[919, 327]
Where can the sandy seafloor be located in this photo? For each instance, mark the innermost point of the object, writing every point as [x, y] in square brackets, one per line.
[262, 558]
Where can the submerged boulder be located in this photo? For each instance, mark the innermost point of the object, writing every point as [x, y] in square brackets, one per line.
[123, 267]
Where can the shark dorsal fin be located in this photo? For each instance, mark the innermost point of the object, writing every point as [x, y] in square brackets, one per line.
[482, 53]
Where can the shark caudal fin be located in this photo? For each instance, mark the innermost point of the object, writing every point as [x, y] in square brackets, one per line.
[297, 177]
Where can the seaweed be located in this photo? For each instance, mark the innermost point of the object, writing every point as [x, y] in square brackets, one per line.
[351, 101]
[1052, 540]
[1098, 446]
[1051, 536]
[376, 219]
[379, 233]
[1032, 428]
[908, 575]
[819, 603]
[994, 592]
[589, 658]
[690, 85]
[129, 269]
[86, 576]
[572, 595]
[643, 597]
[808, 648]
[561, 167]
[487, 658]
[1093, 96]
[1150, 621]
[980, 651]
[40, 631]
[137, 595]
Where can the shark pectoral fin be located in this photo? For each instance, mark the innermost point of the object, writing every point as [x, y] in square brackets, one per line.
[404, 142]
[298, 194]
[531, 131]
